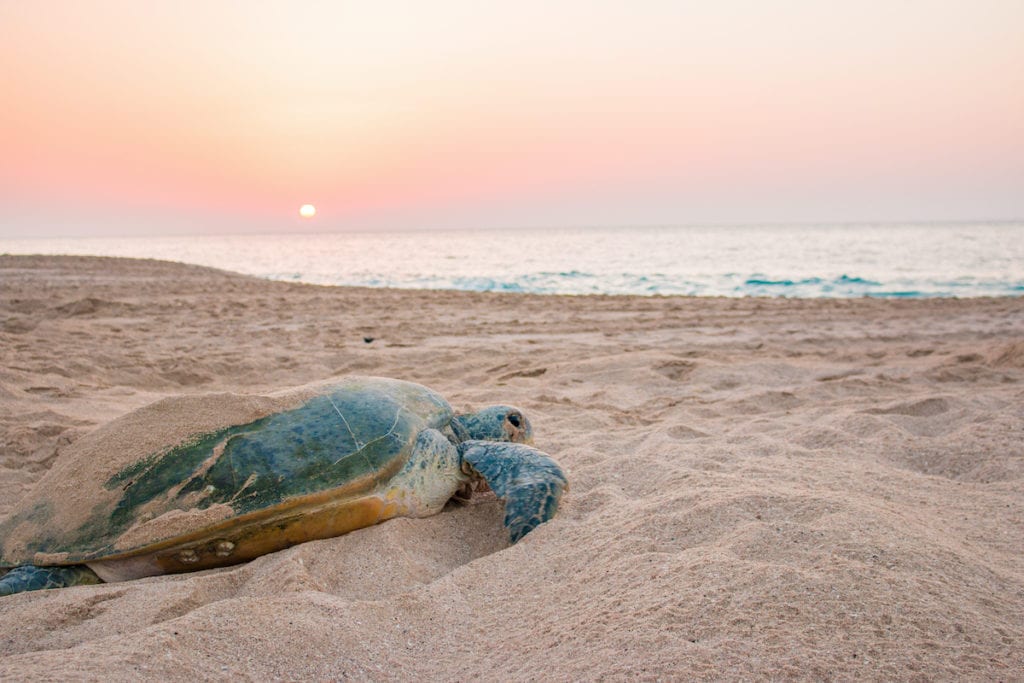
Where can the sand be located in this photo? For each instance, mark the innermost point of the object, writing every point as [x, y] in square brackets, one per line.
[760, 488]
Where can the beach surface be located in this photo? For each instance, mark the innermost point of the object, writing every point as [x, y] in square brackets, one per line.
[761, 489]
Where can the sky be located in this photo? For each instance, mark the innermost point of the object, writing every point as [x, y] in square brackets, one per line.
[217, 117]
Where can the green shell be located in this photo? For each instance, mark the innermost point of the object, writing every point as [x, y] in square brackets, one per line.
[357, 432]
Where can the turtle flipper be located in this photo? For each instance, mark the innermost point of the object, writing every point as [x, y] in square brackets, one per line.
[31, 578]
[529, 481]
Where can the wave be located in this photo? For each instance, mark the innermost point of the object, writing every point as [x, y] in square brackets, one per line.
[575, 282]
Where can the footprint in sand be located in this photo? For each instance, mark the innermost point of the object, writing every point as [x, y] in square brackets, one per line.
[535, 372]
[928, 407]
[675, 370]
[684, 433]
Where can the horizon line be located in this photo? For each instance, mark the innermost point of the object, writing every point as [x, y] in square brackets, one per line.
[535, 228]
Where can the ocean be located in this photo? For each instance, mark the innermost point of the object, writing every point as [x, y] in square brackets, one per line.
[915, 261]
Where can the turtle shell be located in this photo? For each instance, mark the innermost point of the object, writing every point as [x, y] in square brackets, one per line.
[234, 475]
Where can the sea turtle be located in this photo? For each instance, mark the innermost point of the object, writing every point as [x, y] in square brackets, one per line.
[203, 481]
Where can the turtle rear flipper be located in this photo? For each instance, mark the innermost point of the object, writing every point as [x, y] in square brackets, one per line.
[31, 578]
[529, 481]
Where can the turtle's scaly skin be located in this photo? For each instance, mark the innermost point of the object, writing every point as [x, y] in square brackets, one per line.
[309, 464]
[530, 482]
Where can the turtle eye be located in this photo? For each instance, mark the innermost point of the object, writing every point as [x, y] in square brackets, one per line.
[515, 419]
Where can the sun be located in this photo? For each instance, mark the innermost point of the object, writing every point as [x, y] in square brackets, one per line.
[307, 210]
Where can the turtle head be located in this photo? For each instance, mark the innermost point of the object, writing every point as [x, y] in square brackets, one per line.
[497, 423]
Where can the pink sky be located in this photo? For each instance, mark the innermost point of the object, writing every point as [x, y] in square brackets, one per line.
[124, 118]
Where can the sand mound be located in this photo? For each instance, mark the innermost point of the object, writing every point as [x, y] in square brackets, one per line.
[1009, 356]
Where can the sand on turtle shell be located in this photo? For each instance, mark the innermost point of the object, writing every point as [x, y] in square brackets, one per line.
[761, 488]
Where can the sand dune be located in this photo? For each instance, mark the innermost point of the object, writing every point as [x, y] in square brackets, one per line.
[760, 488]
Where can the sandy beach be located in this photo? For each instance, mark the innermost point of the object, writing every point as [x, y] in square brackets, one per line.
[761, 489]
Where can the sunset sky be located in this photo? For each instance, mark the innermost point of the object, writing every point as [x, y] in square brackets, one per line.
[136, 118]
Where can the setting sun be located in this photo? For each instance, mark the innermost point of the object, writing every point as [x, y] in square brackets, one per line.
[307, 210]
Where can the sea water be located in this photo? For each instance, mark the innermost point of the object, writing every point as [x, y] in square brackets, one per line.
[933, 260]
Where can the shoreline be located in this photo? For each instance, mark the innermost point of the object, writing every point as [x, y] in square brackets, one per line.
[656, 295]
[760, 487]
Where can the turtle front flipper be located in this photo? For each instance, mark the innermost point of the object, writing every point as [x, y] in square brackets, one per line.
[530, 482]
[31, 578]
